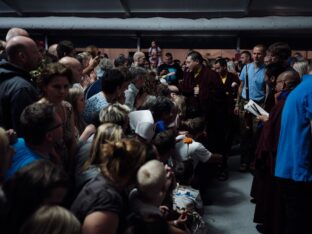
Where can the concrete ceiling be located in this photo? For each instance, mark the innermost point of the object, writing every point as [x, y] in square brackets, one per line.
[173, 21]
[158, 8]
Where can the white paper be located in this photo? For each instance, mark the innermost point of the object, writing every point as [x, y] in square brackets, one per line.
[142, 122]
[255, 109]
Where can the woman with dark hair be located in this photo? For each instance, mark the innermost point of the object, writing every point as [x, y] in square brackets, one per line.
[54, 83]
[148, 90]
[39, 183]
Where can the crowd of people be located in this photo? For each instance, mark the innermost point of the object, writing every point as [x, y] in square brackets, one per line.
[91, 144]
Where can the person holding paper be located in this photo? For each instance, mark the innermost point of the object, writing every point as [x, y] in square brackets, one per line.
[252, 86]
[264, 184]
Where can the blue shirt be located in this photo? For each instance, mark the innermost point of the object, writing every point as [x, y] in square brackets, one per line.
[256, 82]
[93, 107]
[22, 157]
[93, 89]
[294, 154]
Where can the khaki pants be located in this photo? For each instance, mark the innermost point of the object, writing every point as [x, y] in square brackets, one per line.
[249, 134]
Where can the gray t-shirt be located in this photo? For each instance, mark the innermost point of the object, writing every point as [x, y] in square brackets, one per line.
[97, 195]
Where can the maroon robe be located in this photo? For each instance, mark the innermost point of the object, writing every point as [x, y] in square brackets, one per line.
[230, 120]
[208, 82]
[211, 103]
[264, 187]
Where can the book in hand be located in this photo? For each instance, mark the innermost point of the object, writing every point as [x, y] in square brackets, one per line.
[255, 109]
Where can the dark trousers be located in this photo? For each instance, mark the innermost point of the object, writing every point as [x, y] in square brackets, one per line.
[248, 142]
[297, 202]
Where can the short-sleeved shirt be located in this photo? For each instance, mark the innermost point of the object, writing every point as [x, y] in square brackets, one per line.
[195, 150]
[93, 107]
[294, 154]
[97, 195]
[171, 68]
[23, 156]
[256, 82]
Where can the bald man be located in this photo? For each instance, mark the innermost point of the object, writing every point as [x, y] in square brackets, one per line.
[16, 89]
[52, 52]
[264, 182]
[75, 66]
[16, 32]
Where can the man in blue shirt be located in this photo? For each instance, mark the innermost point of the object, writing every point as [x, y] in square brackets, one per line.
[294, 158]
[254, 89]
[42, 128]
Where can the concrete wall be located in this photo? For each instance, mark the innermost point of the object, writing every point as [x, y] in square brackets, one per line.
[181, 53]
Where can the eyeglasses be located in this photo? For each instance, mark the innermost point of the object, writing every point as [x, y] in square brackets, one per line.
[55, 127]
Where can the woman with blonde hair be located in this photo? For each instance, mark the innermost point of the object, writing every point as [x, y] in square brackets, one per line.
[86, 169]
[50, 220]
[76, 99]
[99, 205]
[115, 113]
[105, 133]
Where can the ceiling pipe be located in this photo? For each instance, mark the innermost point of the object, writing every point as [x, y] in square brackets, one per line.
[125, 6]
[160, 24]
[13, 7]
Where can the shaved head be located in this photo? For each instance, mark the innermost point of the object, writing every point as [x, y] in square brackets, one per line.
[74, 65]
[13, 32]
[52, 50]
[23, 52]
[289, 79]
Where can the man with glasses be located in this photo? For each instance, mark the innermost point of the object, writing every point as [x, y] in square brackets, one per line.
[42, 128]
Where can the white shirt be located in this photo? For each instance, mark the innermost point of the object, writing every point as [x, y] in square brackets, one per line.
[195, 150]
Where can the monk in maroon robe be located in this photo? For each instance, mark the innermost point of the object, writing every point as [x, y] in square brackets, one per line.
[268, 210]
